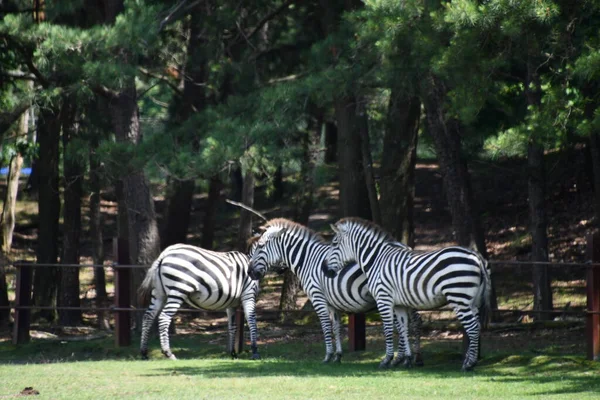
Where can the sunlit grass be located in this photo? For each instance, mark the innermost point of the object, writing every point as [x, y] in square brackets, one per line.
[98, 370]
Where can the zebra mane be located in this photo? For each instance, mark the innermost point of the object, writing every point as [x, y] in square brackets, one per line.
[291, 225]
[250, 242]
[385, 235]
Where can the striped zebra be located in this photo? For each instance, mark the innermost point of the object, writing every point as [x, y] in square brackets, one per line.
[203, 279]
[287, 244]
[400, 278]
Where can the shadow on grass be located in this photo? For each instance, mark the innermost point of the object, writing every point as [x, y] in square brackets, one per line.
[204, 355]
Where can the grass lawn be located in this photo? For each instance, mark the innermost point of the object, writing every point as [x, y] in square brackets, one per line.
[289, 369]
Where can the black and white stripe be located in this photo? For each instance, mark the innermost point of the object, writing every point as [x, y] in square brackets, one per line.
[401, 279]
[287, 244]
[203, 279]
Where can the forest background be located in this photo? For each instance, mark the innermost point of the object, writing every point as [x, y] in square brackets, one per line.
[136, 100]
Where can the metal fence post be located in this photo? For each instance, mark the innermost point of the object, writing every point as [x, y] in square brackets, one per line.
[122, 293]
[239, 333]
[356, 332]
[23, 298]
[593, 297]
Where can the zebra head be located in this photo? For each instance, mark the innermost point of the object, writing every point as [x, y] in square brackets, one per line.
[266, 253]
[341, 251]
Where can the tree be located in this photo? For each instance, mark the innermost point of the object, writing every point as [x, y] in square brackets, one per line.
[73, 191]
[45, 281]
[95, 231]
[193, 100]
[398, 162]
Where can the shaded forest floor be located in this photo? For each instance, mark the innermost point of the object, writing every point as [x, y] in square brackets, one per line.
[500, 189]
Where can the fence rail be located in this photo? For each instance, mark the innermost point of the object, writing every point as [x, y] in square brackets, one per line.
[357, 323]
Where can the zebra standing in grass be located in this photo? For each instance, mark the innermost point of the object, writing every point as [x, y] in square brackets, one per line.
[400, 278]
[203, 279]
[287, 244]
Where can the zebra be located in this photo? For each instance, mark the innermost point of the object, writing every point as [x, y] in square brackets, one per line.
[400, 278]
[287, 244]
[203, 279]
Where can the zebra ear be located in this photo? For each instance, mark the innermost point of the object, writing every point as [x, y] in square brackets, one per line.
[334, 228]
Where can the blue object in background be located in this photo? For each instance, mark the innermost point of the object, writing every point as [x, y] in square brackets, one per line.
[24, 171]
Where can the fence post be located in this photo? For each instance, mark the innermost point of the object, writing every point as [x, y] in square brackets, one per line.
[356, 332]
[239, 332]
[122, 292]
[593, 297]
[22, 298]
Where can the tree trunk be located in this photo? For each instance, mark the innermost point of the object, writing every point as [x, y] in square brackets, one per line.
[236, 184]
[331, 140]
[457, 183]
[245, 230]
[397, 172]
[73, 191]
[542, 299]
[143, 236]
[4, 313]
[310, 143]
[46, 279]
[97, 237]
[177, 219]
[595, 156]
[12, 188]
[367, 161]
[542, 292]
[278, 187]
[354, 197]
[210, 212]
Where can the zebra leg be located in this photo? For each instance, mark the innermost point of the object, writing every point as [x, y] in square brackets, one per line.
[231, 329]
[387, 317]
[470, 321]
[338, 337]
[325, 320]
[414, 328]
[164, 321]
[156, 305]
[249, 307]
[404, 354]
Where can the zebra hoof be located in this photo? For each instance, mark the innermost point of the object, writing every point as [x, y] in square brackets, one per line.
[397, 361]
[169, 355]
[144, 354]
[468, 367]
[234, 355]
[407, 363]
[327, 358]
[385, 363]
[337, 358]
[255, 356]
[418, 361]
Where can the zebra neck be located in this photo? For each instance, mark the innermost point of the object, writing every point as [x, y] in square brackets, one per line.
[367, 256]
[301, 256]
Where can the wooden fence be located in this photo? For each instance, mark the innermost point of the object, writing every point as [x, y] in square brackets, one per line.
[356, 328]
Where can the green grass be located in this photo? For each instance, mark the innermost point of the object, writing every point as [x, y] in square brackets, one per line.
[292, 370]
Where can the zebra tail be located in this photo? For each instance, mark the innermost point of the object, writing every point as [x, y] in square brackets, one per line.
[147, 285]
[485, 310]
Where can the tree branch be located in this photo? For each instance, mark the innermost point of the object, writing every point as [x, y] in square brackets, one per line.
[162, 78]
[245, 207]
[176, 14]
[8, 118]
[269, 17]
